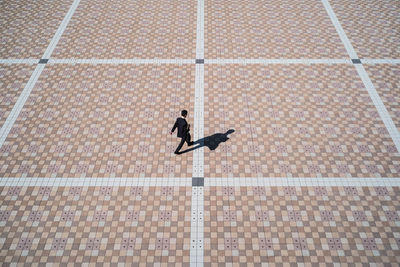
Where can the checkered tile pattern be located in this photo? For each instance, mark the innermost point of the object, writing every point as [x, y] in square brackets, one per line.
[372, 26]
[294, 121]
[254, 225]
[270, 29]
[95, 224]
[27, 27]
[13, 79]
[387, 84]
[101, 121]
[130, 29]
[108, 115]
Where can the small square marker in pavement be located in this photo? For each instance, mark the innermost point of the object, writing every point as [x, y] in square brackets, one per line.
[43, 61]
[199, 61]
[197, 181]
[356, 61]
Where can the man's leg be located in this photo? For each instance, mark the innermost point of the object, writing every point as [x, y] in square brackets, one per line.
[180, 145]
[188, 139]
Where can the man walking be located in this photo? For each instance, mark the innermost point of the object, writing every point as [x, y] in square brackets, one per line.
[183, 131]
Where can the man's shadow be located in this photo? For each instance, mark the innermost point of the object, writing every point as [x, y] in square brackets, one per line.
[212, 141]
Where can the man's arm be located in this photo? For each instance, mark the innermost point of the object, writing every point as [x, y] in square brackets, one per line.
[175, 125]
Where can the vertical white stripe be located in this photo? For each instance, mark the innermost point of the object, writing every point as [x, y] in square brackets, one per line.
[346, 42]
[60, 30]
[383, 113]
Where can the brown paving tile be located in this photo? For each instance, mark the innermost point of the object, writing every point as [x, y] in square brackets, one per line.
[27, 27]
[371, 26]
[101, 121]
[130, 29]
[273, 29]
[256, 224]
[387, 84]
[298, 121]
[88, 224]
[13, 79]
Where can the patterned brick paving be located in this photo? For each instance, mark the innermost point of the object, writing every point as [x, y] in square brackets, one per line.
[97, 121]
[27, 27]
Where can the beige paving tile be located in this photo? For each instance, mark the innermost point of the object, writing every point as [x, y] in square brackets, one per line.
[27, 27]
[371, 26]
[387, 84]
[272, 29]
[92, 224]
[314, 225]
[13, 79]
[130, 29]
[297, 120]
[101, 121]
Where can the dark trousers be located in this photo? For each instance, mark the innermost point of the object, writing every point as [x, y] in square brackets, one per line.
[185, 138]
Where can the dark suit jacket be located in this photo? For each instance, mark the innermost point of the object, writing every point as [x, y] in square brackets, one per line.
[182, 126]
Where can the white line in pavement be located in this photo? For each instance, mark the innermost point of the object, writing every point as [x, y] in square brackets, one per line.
[346, 42]
[277, 61]
[121, 61]
[19, 61]
[60, 30]
[303, 182]
[383, 113]
[95, 181]
[379, 61]
[196, 233]
[186, 182]
[5, 129]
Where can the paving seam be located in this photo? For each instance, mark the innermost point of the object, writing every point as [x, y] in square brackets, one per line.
[5, 129]
[208, 182]
[383, 113]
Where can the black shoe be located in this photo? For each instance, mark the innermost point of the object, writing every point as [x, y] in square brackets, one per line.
[177, 153]
[191, 144]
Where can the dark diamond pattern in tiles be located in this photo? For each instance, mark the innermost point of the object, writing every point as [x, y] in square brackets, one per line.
[167, 191]
[4, 215]
[262, 216]
[128, 243]
[68, 215]
[334, 243]
[162, 243]
[93, 244]
[35, 215]
[351, 191]
[228, 191]
[44, 191]
[14, 191]
[327, 215]
[136, 191]
[59, 244]
[299, 243]
[24, 243]
[294, 215]
[100, 215]
[359, 215]
[289, 191]
[133, 215]
[369, 243]
[106, 190]
[381, 191]
[392, 215]
[320, 191]
[265, 243]
[75, 191]
[165, 216]
[259, 191]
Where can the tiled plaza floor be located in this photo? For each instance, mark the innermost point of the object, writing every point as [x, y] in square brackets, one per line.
[294, 108]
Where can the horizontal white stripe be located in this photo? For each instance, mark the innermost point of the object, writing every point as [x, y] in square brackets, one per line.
[19, 61]
[114, 182]
[309, 181]
[278, 61]
[379, 61]
[242, 181]
[121, 61]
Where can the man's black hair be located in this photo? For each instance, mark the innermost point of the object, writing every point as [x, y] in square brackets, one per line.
[184, 113]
